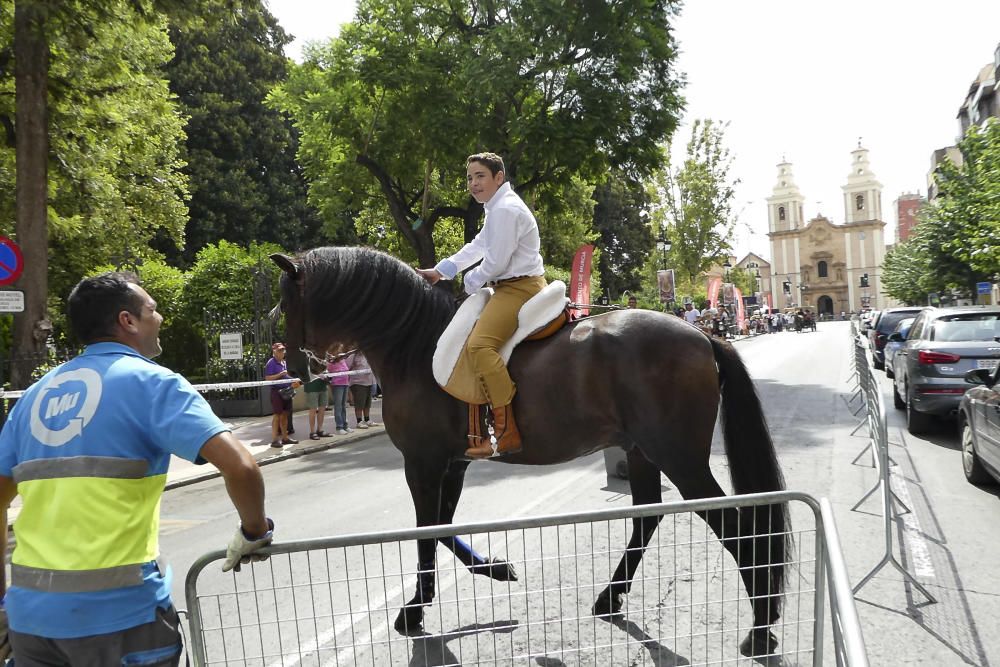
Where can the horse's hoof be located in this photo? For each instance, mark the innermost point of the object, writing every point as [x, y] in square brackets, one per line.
[410, 620]
[607, 604]
[760, 642]
[501, 570]
[496, 569]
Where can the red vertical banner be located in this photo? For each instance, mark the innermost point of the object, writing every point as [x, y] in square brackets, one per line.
[740, 312]
[714, 285]
[579, 282]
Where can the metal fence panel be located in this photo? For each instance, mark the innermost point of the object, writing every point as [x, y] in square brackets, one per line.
[333, 601]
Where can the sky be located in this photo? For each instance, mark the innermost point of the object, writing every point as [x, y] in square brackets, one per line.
[803, 80]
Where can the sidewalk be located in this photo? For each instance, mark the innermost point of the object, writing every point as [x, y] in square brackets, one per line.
[255, 434]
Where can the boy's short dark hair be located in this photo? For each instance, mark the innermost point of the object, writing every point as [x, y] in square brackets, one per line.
[94, 304]
[492, 161]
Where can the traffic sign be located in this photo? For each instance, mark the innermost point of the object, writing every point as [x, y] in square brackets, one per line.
[11, 301]
[11, 261]
[983, 288]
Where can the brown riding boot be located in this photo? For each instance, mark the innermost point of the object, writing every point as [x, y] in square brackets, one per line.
[506, 438]
[476, 427]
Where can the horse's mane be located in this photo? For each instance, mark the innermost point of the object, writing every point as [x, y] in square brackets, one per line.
[368, 298]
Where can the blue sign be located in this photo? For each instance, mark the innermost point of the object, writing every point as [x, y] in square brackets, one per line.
[983, 288]
[11, 261]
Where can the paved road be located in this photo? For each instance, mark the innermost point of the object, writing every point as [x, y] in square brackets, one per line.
[949, 542]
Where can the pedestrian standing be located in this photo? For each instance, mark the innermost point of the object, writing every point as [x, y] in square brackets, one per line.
[88, 449]
[691, 314]
[361, 389]
[281, 402]
[340, 383]
[316, 395]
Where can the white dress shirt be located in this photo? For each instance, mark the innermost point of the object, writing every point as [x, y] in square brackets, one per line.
[508, 244]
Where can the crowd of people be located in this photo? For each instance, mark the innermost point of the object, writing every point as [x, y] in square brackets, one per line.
[723, 323]
[331, 392]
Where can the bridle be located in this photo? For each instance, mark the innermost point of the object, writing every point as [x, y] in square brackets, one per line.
[311, 356]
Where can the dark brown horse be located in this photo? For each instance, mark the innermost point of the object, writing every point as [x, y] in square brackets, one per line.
[641, 380]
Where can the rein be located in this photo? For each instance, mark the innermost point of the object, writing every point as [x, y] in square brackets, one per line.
[311, 356]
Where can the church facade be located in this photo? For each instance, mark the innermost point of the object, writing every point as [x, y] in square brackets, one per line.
[817, 264]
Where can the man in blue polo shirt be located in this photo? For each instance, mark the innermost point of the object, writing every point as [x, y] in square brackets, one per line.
[87, 448]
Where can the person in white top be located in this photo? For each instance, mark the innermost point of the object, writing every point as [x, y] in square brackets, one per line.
[508, 246]
[691, 314]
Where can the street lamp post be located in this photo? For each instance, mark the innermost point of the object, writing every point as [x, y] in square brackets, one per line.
[727, 265]
[663, 245]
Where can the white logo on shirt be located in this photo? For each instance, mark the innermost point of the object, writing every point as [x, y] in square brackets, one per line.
[60, 404]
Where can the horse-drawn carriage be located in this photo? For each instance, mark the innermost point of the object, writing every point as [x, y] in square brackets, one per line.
[804, 321]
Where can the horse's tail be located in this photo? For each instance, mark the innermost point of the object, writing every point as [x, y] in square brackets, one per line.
[753, 463]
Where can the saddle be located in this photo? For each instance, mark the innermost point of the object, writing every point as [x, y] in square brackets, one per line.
[540, 317]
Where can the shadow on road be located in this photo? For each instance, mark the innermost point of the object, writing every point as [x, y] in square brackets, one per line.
[658, 653]
[432, 650]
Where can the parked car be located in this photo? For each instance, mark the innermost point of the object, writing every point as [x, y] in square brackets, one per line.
[882, 326]
[942, 346]
[979, 426]
[891, 346]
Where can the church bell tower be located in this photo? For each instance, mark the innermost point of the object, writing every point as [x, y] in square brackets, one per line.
[863, 192]
[784, 206]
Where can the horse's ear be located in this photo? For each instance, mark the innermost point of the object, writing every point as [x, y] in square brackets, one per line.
[286, 264]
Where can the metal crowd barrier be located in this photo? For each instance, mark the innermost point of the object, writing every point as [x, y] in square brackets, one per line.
[333, 601]
[873, 404]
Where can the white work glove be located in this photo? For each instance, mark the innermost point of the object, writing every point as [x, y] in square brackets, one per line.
[241, 549]
[4, 639]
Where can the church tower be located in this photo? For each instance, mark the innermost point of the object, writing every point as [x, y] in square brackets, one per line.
[863, 192]
[784, 206]
[785, 220]
[864, 242]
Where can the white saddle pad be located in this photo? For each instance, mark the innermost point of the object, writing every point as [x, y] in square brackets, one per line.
[537, 311]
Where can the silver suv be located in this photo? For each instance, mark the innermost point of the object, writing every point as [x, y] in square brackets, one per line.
[942, 345]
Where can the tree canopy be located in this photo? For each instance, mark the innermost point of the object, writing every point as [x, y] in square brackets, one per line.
[626, 238]
[412, 87]
[954, 244]
[693, 202]
[240, 154]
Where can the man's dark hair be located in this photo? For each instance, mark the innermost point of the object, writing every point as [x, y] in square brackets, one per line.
[492, 161]
[95, 302]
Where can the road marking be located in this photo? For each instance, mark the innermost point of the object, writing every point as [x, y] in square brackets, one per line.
[912, 533]
[382, 601]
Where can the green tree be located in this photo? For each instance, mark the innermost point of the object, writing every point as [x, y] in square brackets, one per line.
[693, 203]
[626, 239]
[412, 87]
[953, 245]
[907, 275]
[92, 139]
[964, 221]
[245, 182]
[221, 280]
[744, 279]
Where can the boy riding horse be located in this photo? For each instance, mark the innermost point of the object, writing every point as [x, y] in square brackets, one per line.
[508, 246]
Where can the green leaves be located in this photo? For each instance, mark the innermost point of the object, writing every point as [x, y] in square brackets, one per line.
[114, 134]
[693, 203]
[563, 91]
[245, 182]
[954, 244]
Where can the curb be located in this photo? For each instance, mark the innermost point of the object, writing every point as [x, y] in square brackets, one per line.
[276, 458]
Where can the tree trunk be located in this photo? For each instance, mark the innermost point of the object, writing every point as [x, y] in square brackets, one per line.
[31, 65]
